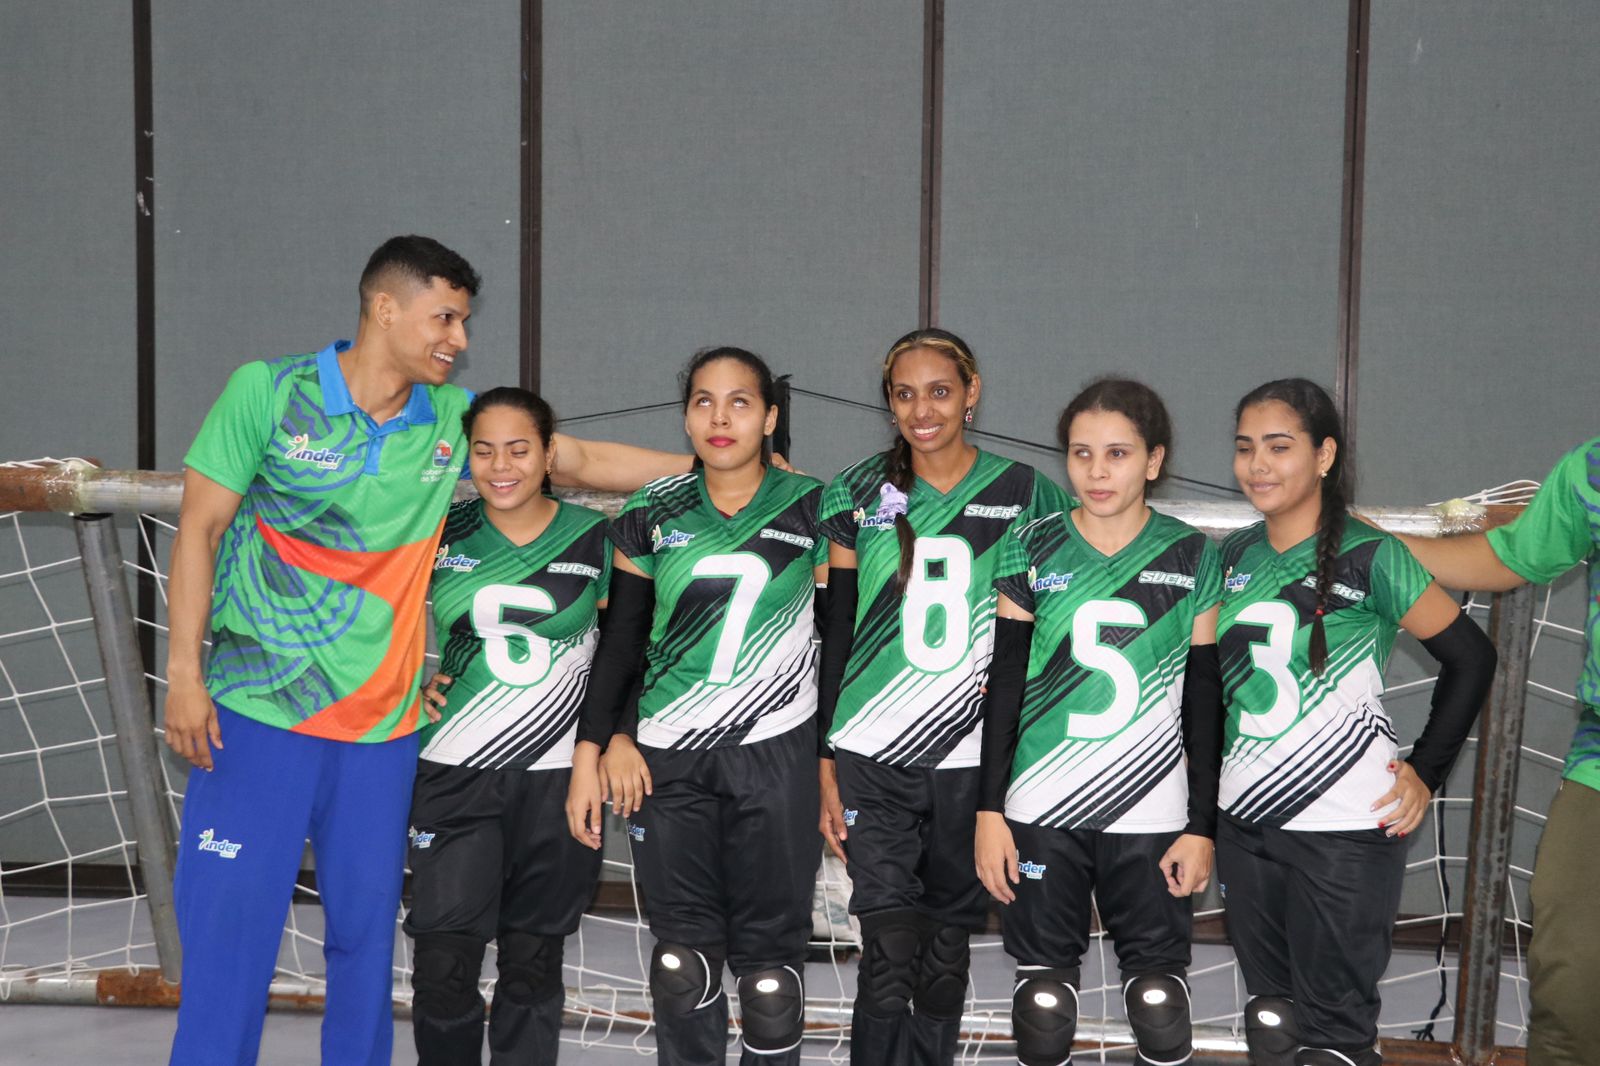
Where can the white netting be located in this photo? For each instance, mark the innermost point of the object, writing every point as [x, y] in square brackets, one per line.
[69, 904]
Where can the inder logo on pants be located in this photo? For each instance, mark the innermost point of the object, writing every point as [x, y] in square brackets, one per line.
[226, 848]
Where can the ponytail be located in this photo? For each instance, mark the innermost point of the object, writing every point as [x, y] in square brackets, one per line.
[900, 475]
[1330, 535]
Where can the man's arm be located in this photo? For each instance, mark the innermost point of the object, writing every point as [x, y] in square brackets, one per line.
[191, 719]
[611, 467]
[1464, 562]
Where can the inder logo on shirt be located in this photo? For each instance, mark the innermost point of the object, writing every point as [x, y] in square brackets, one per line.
[676, 539]
[326, 458]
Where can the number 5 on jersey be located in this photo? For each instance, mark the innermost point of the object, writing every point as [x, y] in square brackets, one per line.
[1090, 653]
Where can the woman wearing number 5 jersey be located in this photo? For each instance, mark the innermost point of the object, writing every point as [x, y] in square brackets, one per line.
[914, 534]
[517, 585]
[715, 572]
[1315, 801]
[1105, 676]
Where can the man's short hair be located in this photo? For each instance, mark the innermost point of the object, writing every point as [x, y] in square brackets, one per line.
[417, 260]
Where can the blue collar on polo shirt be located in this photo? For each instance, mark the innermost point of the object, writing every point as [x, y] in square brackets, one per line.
[336, 400]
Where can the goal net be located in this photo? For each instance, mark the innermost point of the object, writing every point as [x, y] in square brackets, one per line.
[85, 915]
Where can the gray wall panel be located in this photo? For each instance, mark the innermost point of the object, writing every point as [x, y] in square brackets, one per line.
[1145, 188]
[66, 221]
[293, 138]
[723, 173]
[1480, 300]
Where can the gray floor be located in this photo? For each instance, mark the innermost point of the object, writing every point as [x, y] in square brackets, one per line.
[69, 1036]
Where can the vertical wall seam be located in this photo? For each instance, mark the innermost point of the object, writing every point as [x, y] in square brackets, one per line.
[932, 161]
[1357, 50]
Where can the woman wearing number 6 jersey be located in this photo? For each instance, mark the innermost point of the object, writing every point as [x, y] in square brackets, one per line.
[1105, 672]
[714, 587]
[914, 535]
[1315, 800]
[517, 585]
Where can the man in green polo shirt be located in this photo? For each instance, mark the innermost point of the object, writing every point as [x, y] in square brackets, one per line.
[313, 500]
[1559, 529]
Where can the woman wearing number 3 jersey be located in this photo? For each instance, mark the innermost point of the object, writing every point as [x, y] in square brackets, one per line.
[909, 632]
[715, 572]
[1105, 673]
[517, 585]
[1315, 801]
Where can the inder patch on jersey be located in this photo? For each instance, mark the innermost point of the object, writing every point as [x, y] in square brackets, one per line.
[676, 539]
[461, 564]
[1234, 582]
[1048, 582]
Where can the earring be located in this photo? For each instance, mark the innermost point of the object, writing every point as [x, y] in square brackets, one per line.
[892, 421]
[1324, 475]
[968, 417]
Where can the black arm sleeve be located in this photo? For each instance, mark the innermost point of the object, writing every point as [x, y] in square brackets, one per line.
[838, 627]
[1466, 667]
[623, 634]
[1202, 736]
[1002, 710]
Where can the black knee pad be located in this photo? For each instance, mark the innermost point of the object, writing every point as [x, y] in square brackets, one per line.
[444, 975]
[684, 979]
[1044, 1015]
[1327, 1056]
[530, 967]
[1158, 1014]
[772, 1009]
[1270, 1032]
[942, 981]
[891, 951]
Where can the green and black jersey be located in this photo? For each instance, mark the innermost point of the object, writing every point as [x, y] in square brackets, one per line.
[517, 632]
[912, 692]
[1100, 740]
[731, 658]
[1302, 751]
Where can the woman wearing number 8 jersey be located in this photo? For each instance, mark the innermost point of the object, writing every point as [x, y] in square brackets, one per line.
[914, 535]
[1315, 802]
[1104, 678]
[517, 586]
[714, 587]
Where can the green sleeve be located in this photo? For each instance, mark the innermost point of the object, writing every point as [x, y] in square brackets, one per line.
[1397, 580]
[836, 517]
[819, 550]
[1208, 578]
[1011, 568]
[602, 584]
[631, 533]
[1552, 535]
[229, 447]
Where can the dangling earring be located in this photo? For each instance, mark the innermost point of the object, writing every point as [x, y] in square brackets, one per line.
[968, 417]
[892, 421]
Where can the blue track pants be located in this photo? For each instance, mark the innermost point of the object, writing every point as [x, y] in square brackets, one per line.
[245, 825]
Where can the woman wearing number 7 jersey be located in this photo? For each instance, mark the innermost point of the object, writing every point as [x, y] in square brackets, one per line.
[914, 535]
[1105, 676]
[1315, 801]
[713, 587]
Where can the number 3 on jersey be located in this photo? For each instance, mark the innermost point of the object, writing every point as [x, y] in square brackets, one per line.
[488, 621]
[1090, 653]
[941, 575]
[1272, 656]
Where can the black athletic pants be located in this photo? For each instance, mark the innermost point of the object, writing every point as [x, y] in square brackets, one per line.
[726, 851]
[1048, 924]
[912, 879]
[1311, 916]
[491, 856]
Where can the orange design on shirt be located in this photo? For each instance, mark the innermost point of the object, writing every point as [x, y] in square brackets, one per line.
[399, 577]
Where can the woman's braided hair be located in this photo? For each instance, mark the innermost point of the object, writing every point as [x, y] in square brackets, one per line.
[1320, 419]
[899, 465]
